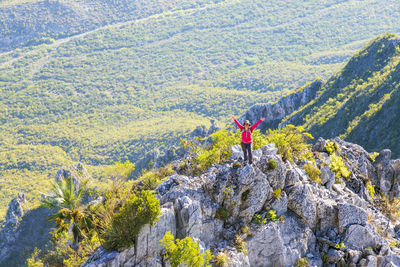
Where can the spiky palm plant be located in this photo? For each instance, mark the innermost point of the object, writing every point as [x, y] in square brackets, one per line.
[66, 198]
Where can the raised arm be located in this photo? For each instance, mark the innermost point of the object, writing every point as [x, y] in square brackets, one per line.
[256, 124]
[237, 123]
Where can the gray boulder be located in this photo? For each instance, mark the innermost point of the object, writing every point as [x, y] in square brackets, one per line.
[349, 214]
[358, 237]
[302, 201]
[280, 244]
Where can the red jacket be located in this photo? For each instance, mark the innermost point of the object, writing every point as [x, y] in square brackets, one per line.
[246, 135]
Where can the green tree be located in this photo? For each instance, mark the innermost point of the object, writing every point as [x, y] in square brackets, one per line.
[66, 198]
[184, 251]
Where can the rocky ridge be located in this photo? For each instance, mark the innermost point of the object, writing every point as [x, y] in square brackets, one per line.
[328, 224]
[274, 113]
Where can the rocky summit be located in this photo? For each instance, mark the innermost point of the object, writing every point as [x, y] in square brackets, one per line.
[332, 222]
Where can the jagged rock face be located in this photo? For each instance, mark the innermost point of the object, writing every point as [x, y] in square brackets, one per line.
[15, 210]
[22, 231]
[274, 113]
[317, 218]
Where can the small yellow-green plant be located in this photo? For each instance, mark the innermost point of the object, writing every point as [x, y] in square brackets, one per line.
[373, 156]
[222, 260]
[371, 190]
[331, 147]
[395, 244]
[258, 219]
[240, 245]
[185, 251]
[34, 260]
[271, 215]
[277, 193]
[339, 246]
[272, 164]
[313, 172]
[338, 167]
[245, 230]
[302, 262]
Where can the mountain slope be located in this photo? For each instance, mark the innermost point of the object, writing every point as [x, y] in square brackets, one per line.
[360, 103]
[140, 74]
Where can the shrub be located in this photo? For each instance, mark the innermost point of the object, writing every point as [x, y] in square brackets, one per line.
[271, 215]
[61, 254]
[371, 190]
[338, 167]
[219, 150]
[184, 251]
[272, 164]
[331, 147]
[291, 142]
[240, 245]
[394, 244]
[277, 193]
[302, 262]
[313, 172]
[258, 219]
[245, 230]
[221, 213]
[222, 260]
[151, 179]
[245, 195]
[34, 260]
[373, 156]
[138, 210]
[236, 165]
[120, 171]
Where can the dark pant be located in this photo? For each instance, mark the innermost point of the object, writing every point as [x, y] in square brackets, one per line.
[247, 151]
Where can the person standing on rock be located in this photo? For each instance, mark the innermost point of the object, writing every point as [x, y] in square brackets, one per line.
[247, 129]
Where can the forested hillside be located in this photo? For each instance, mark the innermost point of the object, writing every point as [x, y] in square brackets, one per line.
[361, 103]
[105, 81]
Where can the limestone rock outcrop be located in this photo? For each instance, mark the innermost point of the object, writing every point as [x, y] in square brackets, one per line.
[326, 224]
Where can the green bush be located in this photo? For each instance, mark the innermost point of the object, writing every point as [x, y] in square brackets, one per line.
[373, 156]
[151, 179]
[258, 219]
[236, 165]
[313, 172]
[184, 251]
[338, 167]
[272, 164]
[221, 213]
[302, 262]
[138, 210]
[271, 215]
[245, 195]
[291, 142]
[331, 147]
[277, 193]
[371, 190]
